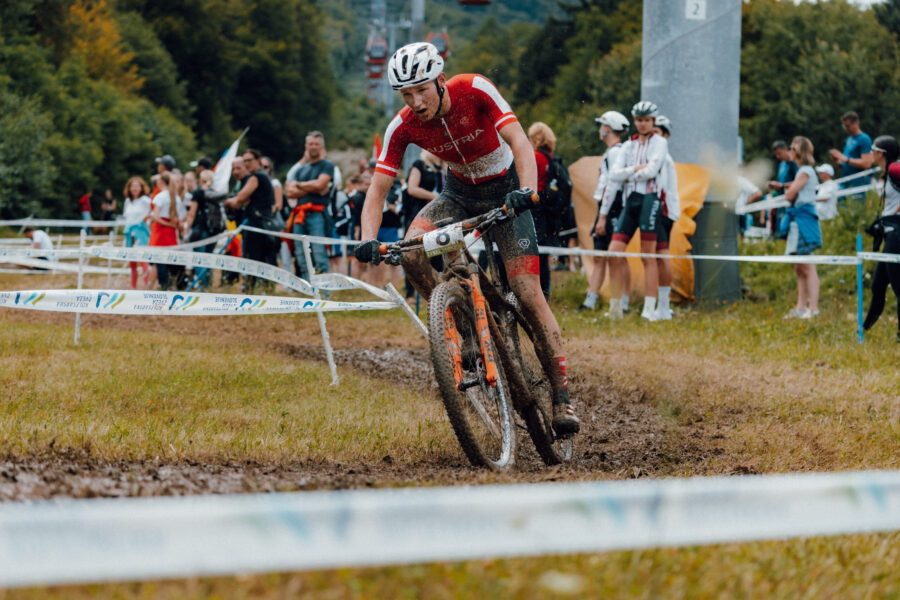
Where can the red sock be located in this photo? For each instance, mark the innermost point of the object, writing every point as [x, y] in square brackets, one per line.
[133, 266]
[561, 365]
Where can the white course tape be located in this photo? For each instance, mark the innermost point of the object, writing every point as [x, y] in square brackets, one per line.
[60, 223]
[312, 239]
[118, 302]
[806, 259]
[880, 257]
[49, 268]
[76, 541]
[780, 202]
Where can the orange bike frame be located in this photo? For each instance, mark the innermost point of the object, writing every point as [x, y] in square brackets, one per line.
[452, 338]
[484, 331]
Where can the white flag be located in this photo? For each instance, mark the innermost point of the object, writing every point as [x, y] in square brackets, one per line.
[222, 170]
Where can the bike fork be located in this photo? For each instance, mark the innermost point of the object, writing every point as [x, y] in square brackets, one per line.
[484, 331]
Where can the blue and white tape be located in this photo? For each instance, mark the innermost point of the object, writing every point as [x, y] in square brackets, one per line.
[118, 302]
[76, 541]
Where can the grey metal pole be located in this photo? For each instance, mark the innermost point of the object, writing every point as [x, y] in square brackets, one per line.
[691, 66]
[417, 16]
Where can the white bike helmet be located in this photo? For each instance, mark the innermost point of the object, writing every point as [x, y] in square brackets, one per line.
[663, 122]
[645, 109]
[614, 119]
[414, 64]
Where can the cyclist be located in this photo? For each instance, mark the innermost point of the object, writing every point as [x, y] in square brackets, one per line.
[467, 123]
[671, 210]
[637, 167]
[613, 125]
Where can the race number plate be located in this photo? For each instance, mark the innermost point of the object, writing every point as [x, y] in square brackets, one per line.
[444, 240]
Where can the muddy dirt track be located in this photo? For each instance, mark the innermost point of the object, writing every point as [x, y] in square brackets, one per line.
[622, 433]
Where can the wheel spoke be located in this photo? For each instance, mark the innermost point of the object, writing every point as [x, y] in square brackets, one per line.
[475, 400]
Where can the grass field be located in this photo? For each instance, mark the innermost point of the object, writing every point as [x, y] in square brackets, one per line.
[720, 390]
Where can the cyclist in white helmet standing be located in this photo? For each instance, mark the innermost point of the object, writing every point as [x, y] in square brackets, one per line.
[613, 126]
[637, 168]
[467, 123]
[671, 210]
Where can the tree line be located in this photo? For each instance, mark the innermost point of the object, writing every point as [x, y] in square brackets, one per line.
[92, 91]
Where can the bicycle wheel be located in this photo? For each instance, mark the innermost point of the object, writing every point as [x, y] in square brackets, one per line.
[480, 415]
[533, 381]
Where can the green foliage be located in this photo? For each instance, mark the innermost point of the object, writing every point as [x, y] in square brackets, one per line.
[63, 130]
[155, 65]
[803, 65]
[481, 55]
[27, 133]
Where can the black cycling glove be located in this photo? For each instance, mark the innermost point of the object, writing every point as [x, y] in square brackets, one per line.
[519, 201]
[367, 252]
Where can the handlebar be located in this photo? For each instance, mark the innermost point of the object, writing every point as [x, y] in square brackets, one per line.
[481, 223]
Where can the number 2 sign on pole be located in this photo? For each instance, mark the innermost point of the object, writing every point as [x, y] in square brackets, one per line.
[695, 10]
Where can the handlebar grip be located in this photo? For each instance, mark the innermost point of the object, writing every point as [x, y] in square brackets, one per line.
[535, 198]
[382, 249]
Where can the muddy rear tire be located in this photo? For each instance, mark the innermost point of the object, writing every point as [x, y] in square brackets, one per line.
[481, 416]
[528, 378]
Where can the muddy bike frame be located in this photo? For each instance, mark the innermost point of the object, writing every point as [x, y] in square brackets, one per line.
[468, 275]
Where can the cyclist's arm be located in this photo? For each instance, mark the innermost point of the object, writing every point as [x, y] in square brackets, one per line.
[374, 205]
[656, 157]
[523, 154]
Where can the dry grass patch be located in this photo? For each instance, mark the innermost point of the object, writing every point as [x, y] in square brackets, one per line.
[146, 394]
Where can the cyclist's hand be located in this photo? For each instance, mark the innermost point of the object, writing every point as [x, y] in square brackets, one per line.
[368, 252]
[519, 201]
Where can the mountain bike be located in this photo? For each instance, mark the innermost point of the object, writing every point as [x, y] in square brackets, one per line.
[473, 320]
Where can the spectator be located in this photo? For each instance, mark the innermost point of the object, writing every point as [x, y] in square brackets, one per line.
[235, 217]
[748, 193]
[857, 154]
[787, 170]
[886, 229]
[136, 213]
[424, 182]
[164, 164]
[284, 253]
[108, 210]
[310, 183]
[84, 207]
[802, 227]
[205, 218]
[356, 200]
[203, 164]
[164, 224]
[546, 216]
[257, 197]
[671, 210]
[388, 233]
[612, 126]
[39, 241]
[827, 193]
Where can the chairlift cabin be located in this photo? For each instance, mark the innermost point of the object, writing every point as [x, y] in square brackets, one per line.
[376, 50]
[441, 41]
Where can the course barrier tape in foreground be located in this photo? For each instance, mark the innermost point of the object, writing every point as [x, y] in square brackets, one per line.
[119, 302]
[77, 541]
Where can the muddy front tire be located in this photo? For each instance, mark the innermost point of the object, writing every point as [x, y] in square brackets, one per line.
[481, 416]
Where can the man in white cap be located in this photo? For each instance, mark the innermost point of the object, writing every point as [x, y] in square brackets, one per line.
[826, 193]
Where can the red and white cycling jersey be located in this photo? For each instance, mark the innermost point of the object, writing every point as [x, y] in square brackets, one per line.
[467, 137]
